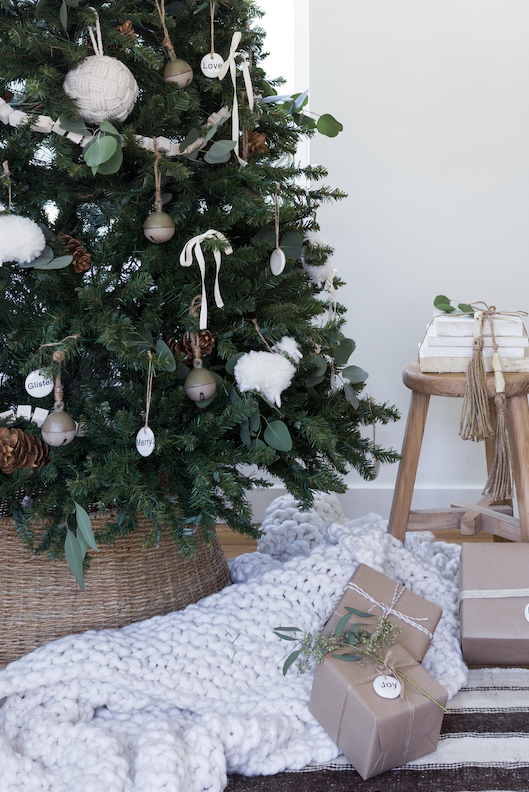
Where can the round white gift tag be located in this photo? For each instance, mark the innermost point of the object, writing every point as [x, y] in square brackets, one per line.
[277, 261]
[211, 64]
[38, 384]
[526, 612]
[387, 687]
[145, 441]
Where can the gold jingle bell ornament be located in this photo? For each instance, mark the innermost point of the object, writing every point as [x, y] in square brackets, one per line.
[159, 226]
[177, 71]
[200, 383]
[59, 428]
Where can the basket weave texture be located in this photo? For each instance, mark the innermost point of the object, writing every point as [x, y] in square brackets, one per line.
[40, 600]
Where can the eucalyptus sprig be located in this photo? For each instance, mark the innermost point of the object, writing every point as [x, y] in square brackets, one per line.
[443, 303]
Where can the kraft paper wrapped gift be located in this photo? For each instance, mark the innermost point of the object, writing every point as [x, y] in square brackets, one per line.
[372, 592]
[494, 604]
[375, 733]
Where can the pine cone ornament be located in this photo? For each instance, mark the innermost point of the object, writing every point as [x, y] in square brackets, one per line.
[256, 143]
[206, 343]
[82, 260]
[127, 29]
[19, 449]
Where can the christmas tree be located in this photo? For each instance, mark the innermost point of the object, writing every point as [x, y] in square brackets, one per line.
[212, 354]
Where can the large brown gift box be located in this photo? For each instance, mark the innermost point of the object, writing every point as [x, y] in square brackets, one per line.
[494, 603]
[416, 617]
[375, 733]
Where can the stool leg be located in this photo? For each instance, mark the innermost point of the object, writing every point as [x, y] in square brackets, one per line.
[518, 427]
[411, 450]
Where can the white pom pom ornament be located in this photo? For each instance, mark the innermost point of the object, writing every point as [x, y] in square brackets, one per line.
[270, 373]
[103, 87]
[21, 239]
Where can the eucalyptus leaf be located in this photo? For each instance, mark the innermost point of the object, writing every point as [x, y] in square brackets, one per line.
[84, 525]
[354, 374]
[313, 381]
[255, 421]
[318, 362]
[206, 402]
[48, 235]
[267, 236]
[285, 637]
[106, 126]
[350, 658]
[182, 371]
[141, 338]
[342, 624]
[219, 152]
[291, 659]
[83, 545]
[230, 364]
[305, 121]
[446, 307]
[328, 125]
[277, 436]
[350, 394]
[441, 299]
[300, 100]
[73, 125]
[100, 150]
[55, 263]
[275, 98]
[165, 355]
[234, 397]
[209, 134]
[288, 629]
[44, 258]
[72, 3]
[113, 164]
[192, 136]
[466, 308]
[63, 15]
[343, 351]
[218, 379]
[291, 244]
[257, 444]
[362, 614]
[74, 557]
[244, 433]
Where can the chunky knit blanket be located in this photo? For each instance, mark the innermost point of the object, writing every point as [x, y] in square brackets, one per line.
[176, 702]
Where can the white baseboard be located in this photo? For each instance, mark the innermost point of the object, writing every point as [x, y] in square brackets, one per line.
[359, 501]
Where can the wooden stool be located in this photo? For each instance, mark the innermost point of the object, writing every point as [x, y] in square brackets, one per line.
[469, 518]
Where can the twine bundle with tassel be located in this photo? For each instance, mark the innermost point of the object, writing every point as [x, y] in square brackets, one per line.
[476, 421]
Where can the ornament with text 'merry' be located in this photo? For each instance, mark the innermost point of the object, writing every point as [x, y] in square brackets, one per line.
[145, 441]
[38, 384]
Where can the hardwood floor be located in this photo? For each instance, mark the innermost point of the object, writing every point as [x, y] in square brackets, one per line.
[234, 544]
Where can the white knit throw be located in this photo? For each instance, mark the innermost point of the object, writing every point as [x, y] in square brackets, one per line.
[176, 702]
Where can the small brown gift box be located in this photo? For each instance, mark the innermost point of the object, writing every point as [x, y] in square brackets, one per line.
[416, 617]
[375, 733]
[494, 604]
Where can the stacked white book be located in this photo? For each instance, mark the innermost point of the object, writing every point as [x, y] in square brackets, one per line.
[447, 345]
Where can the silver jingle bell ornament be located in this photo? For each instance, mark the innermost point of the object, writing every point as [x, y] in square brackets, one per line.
[200, 383]
[159, 227]
[59, 428]
[178, 71]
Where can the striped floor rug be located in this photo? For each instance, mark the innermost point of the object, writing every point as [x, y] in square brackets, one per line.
[484, 747]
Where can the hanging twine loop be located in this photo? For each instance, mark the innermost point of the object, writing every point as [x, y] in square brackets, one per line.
[167, 44]
[58, 390]
[6, 178]
[230, 63]
[96, 44]
[194, 337]
[157, 177]
[212, 23]
[276, 214]
[150, 374]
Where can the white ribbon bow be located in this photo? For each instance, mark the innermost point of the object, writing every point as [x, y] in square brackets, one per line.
[186, 260]
[230, 63]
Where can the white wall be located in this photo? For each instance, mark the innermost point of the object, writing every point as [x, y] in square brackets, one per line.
[434, 98]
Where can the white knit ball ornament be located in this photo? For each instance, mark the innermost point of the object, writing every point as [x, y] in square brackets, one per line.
[103, 87]
[21, 239]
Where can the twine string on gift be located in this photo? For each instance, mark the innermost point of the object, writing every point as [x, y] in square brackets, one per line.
[388, 610]
[230, 63]
[97, 45]
[389, 668]
[186, 260]
[492, 594]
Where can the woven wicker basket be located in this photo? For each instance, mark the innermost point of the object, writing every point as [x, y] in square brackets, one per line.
[40, 600]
